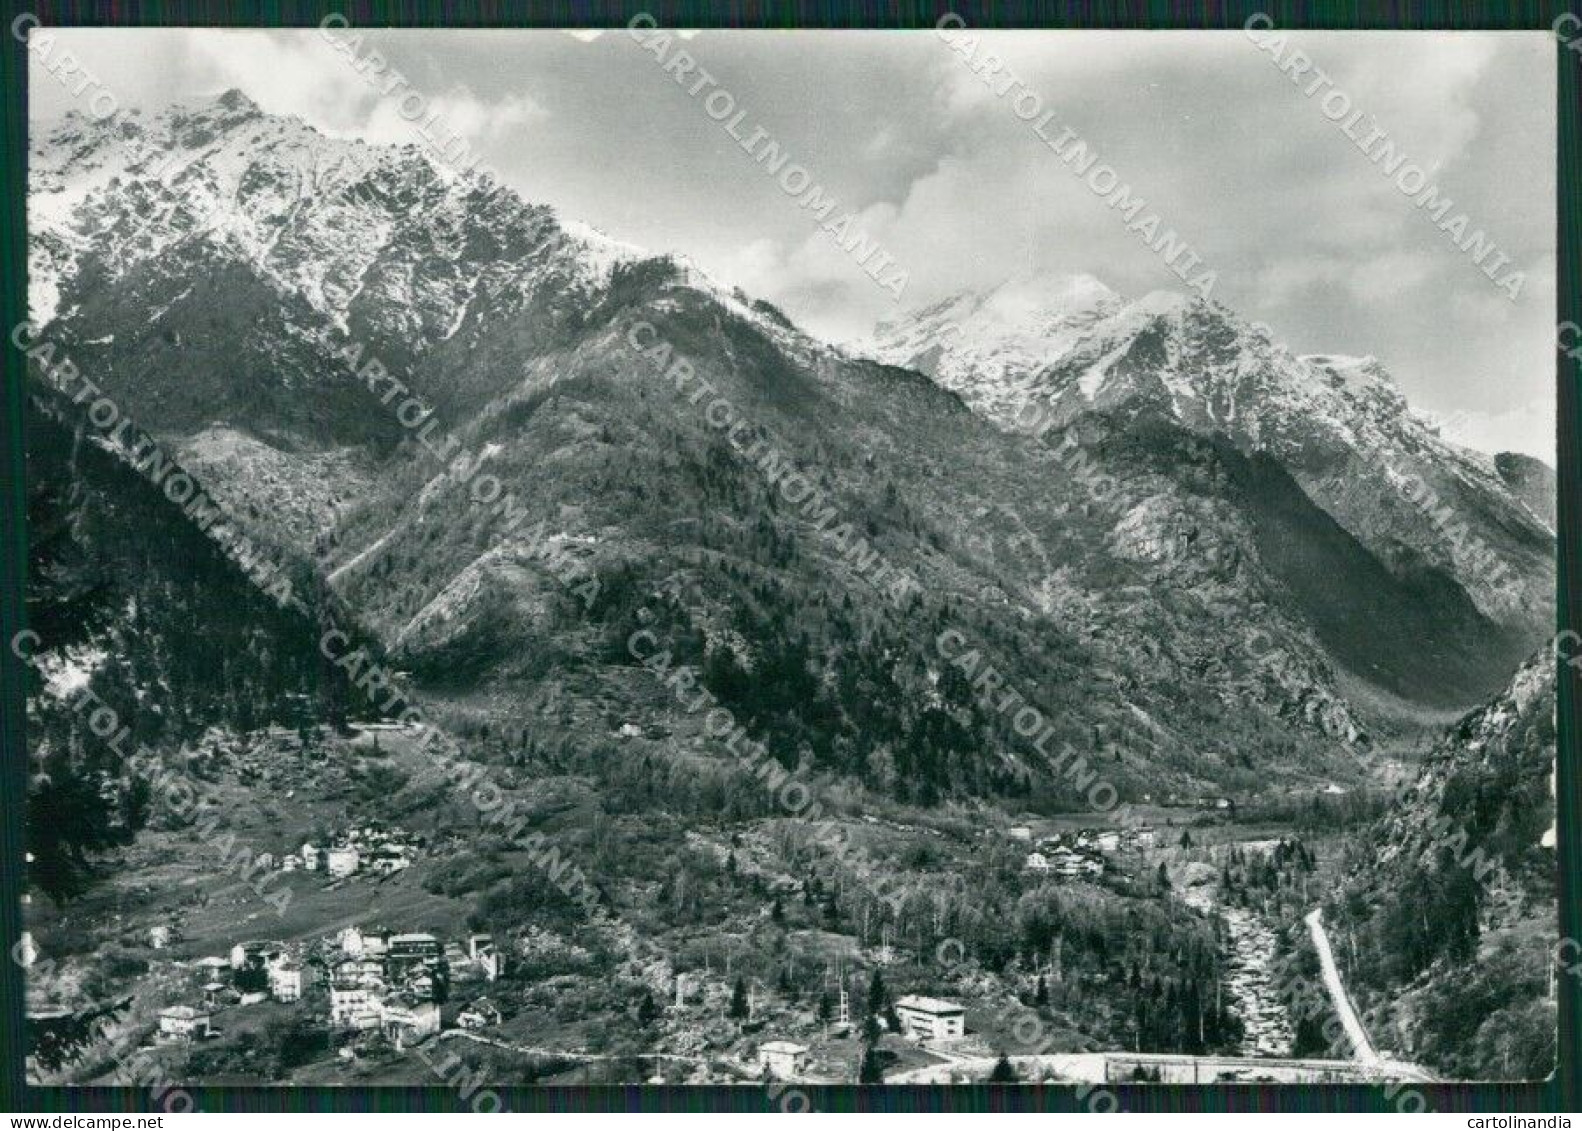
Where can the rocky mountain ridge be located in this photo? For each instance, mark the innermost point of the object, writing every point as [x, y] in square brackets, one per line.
[274, 262]
[1030, 356]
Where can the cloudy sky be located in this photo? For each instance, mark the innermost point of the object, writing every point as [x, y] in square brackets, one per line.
[1303, 231]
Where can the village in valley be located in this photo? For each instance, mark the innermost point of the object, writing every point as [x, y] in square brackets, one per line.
[1082, 853]
[371, 982]
[230, 987]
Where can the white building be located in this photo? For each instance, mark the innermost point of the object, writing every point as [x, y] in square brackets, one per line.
[479, 1015]
[285, 982]
[480, 949]
[1036, 862]
[1106, 841]
[931, 1018]
[352, 1003]
[357, 943]
[408, 1017]
[417, 946]
[341, 860]
[365, 1017]
[1019, 832]
[1069, 863]
[265, 953]
[159, 937]
[784, 1060]
[420, 984]
[365, 971]
[183, 1023]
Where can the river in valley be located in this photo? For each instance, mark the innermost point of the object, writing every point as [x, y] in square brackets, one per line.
[1249, 979]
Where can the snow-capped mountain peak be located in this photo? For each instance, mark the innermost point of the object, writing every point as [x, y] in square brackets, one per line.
[322, 218]
[1337, 423]
[987, 346]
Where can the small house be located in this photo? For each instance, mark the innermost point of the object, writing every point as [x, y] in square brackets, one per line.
[930, 1018]
[350, 1002]
[341, 861]
[420, 985]
[285, 982]
[363, 971]
[183, 1023]
[479, 1015]
[407, 1017]
[784, 1060]
[415, 947]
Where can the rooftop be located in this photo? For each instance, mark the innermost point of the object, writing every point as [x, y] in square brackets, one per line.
[182, 1013]
[929, 1004]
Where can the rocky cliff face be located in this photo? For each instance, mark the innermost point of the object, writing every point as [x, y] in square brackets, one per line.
[1451, 894]
[1532, 481]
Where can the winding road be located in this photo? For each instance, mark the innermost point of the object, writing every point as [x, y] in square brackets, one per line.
[1362, 1047]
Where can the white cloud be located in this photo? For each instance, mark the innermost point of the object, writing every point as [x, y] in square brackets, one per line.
[1382, 277]
[1305, 232]
[299, 74]
[755, 267]
[1420, 88]
[457, 111]
[305, 75]
[1527, 428]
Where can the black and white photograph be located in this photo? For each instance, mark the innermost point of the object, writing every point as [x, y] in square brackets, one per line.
[776, 559]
